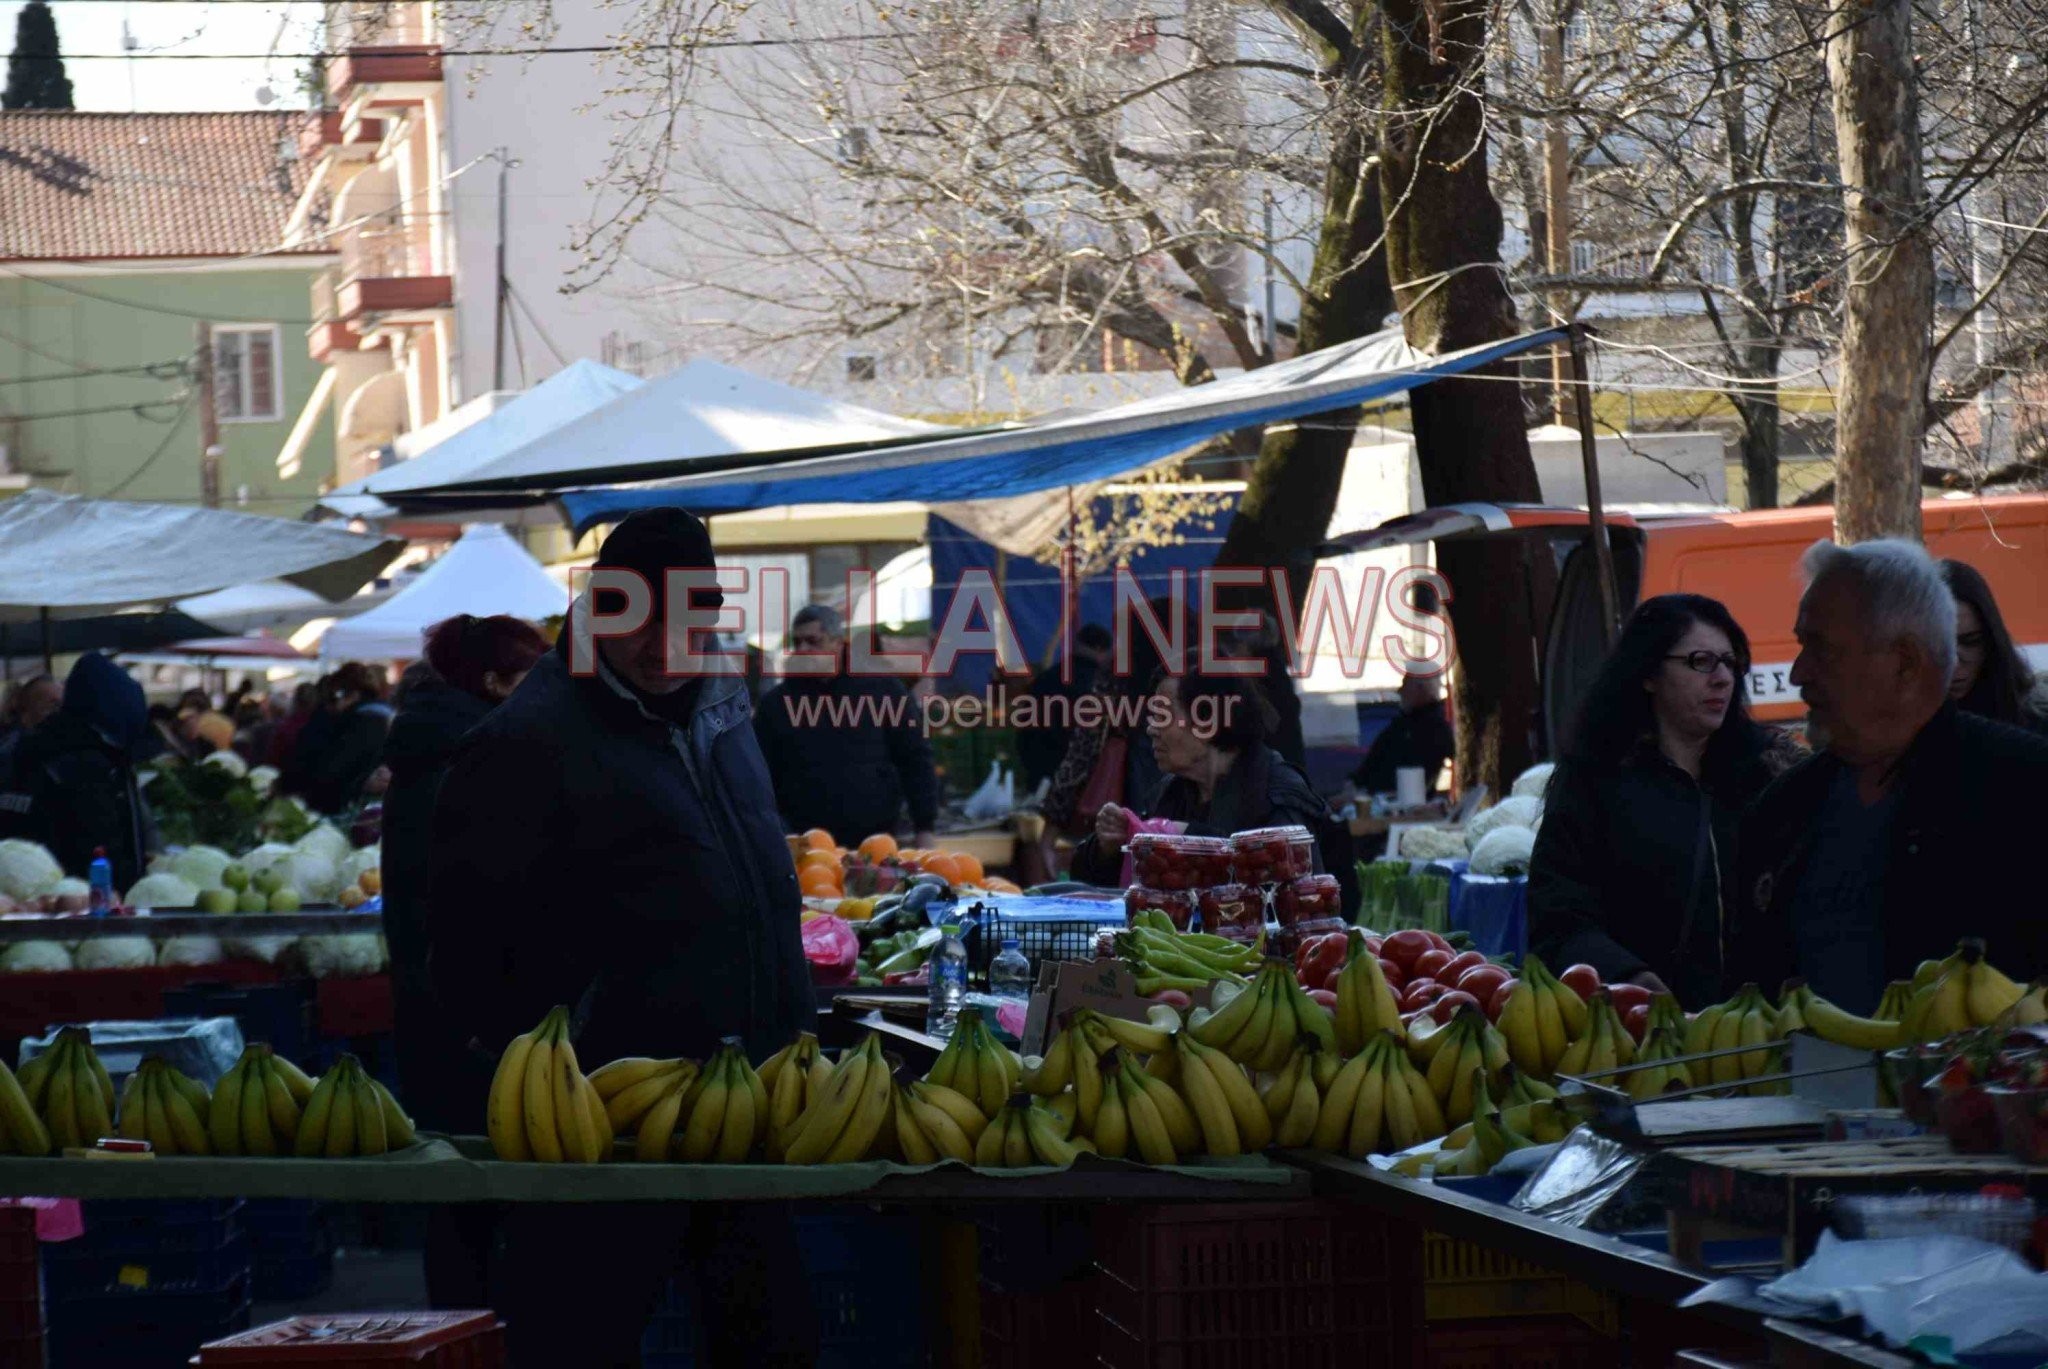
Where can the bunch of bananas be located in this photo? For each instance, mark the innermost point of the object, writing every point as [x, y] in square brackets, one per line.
[21, 1131]
[1603, 1047]
[69, 1089]
[1475, 1148]
[1226, 1107]
[1541, 1019]
[976, 1064]
[845, 1119]
[633, 1086]
[1260, 1026]
[1127, 1118]
[1074, 1058]
[716, 1116]
[165, 1108]
[256, 1105]
[1294, 1099]
[1964, 991]
[793, 1077]
[1023, 1133]
[1379, 1099]
[1163, 958]
[935, 1123]
[541, 1106]
[1366, 1005]
[1745, 1020]
[348, 1113]
[1451, 1053]
[1658, 1067]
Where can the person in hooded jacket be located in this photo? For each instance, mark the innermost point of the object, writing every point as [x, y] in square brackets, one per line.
[471, 666]
[337, 751]
[73, 787]
[608, 839]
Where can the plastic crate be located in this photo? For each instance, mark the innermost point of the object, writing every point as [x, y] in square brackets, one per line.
[1224, 1286]
[186, 1243]
[22, 1352]
[20, 1317]
[1518, 1343]
[1034, 1249]
[364, 1340]
[157, 1328]
[1041, 936]
[1031, 1330]
[291, 1246]
[1467, 1282]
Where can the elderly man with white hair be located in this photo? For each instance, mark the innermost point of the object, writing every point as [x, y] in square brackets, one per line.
[1904, 830]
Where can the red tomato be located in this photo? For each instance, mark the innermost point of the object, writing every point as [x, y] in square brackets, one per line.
[1421, 994]
[1433, 963]
[1500, 999]
[1637, 1020]
[1583, 980]
[1461, 962]
[1324, 997]
[1395, 975]
[1482, 980]
[1628, 997]
[1441, 1010]
[1373, 945]
[1330, 981]
[1436, 939]
[1403, 946]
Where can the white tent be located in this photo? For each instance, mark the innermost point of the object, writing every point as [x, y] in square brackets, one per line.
[485, 572]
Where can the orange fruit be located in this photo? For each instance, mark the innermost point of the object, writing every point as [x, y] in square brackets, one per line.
[944, 866]
[818, 839]
[970, 867]
[814, 858]
[878, 847]
[817, 882]
[996, 884]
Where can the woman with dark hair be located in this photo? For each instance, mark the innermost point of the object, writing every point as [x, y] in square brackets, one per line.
[1212, 737]
[1638, 832]
[471, 665]
[337, 750]
[1992, 679]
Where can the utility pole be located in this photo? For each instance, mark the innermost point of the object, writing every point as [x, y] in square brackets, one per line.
[209, 422]
[1557, 201]
[504, 284]
[1272, 282]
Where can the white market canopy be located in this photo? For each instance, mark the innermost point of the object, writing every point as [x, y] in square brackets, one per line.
[485, 572]
[73, 557]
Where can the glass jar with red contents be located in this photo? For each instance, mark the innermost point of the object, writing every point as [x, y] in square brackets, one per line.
[1272, 855]
[1233, 910]
[1178, 905]
[1306, 899]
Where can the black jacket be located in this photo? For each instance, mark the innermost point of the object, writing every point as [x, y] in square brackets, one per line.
[1967, 822]
[433, 717]
[587, 852]
[335, 753]
[1631, 868]
[73, 785]
[1422, 738]
[852, 779]
[1261, 789]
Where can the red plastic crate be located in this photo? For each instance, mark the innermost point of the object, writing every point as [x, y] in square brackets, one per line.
[353, 1007]
[1031, 1330]
[1300, 1285]
[371, 1340]
[22, 1352]
[1518, 1343]
[19, 1259]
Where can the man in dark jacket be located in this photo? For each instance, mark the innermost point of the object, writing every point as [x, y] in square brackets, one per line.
[1419, 737]
[608, 840]
[846, 751]
[73, 787]
[1850, 862]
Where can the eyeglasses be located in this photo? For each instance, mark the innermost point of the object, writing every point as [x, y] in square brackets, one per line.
[1703, 662]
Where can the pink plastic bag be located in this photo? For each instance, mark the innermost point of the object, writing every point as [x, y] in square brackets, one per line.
[1138, 825]
[832, 948]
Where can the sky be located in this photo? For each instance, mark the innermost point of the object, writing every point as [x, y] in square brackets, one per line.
[178, 26]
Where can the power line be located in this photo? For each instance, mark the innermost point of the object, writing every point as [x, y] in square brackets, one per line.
[153, 370]
[136, 409]
[177, 426]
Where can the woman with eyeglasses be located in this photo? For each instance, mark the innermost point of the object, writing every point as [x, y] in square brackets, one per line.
[1992, 679]
[1638, 831]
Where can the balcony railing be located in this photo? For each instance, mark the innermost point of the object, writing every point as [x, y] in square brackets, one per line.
[381, 44]
[387, 266]
[379, 23]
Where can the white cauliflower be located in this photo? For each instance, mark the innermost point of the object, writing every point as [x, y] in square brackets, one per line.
[353, 864]
[1504, 851]
[1518, 811]
[34, 957]
[116, 953]
[27, 870]
[191, 950]
[228, 761]
[262, 948]
[199, 866]
[265, 856]
[1531, 783]
[264, 777]
[69, 895]
[1432, 843]
[162, 891]
[343, 957]
[316, 876]
[325, 840]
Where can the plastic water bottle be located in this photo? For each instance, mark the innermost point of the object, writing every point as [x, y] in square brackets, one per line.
[100, 877]
[1009, 974]
[948, 967]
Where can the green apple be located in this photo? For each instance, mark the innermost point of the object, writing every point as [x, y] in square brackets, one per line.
[217, 900]
[267, 881]
[285, 900]
[252, 901]
[234, 877]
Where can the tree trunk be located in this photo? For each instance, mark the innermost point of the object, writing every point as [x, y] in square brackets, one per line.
[1291, 491]
[1760, 430]
[1470, 434]
[1888, 303]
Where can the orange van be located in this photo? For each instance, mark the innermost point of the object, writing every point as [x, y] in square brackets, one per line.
[1749, 561]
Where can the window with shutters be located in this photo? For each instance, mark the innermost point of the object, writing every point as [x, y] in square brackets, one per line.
[247, 384]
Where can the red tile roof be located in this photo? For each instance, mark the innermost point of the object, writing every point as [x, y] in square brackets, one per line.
[77, 186]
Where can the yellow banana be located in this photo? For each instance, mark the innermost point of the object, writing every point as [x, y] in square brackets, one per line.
[625, 1106]
[656, 1132]
[1145, 1038]
[295, 1079]
[157, 1117]
[505, 1113]
[1831, 1023]
[1334, 1123]
[1112, 1134]
[224, 1113]
[826, 1118]
[1148, 1129]
[971, 1120]
[869, 1112]
[615, 1078]
[1254, 1129]
[90, 1101]
[917, 1146]
[371, 1136]
[1048, 1146]
[134, 1116]
[341, 1117]
[989, 1150]
[1222, 1025]
[284, 1113]
[940, 1129]
[398, 1128]
[699, 1139]
[1182, 1130]
[1204, 1097]
[1518, 1025]
[1017, 1152]
[537, 1096]
[1400, 1128]
[1055, 1069]
[738, 1132]
[313, 1122]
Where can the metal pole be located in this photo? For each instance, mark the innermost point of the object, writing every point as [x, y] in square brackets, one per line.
[498, 319]
[1557, 195]
[49, 641]
[1272, 281]
[209, 422]
[1589, 459]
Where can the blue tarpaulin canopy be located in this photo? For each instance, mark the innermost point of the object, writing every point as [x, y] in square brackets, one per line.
[1058, 452]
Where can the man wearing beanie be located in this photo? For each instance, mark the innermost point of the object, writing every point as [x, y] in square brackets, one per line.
[608, 838]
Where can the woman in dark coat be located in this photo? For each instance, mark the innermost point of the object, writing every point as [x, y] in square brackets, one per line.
[1638, 833]
[471, 665]
[339, 747]
[1992, 679]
